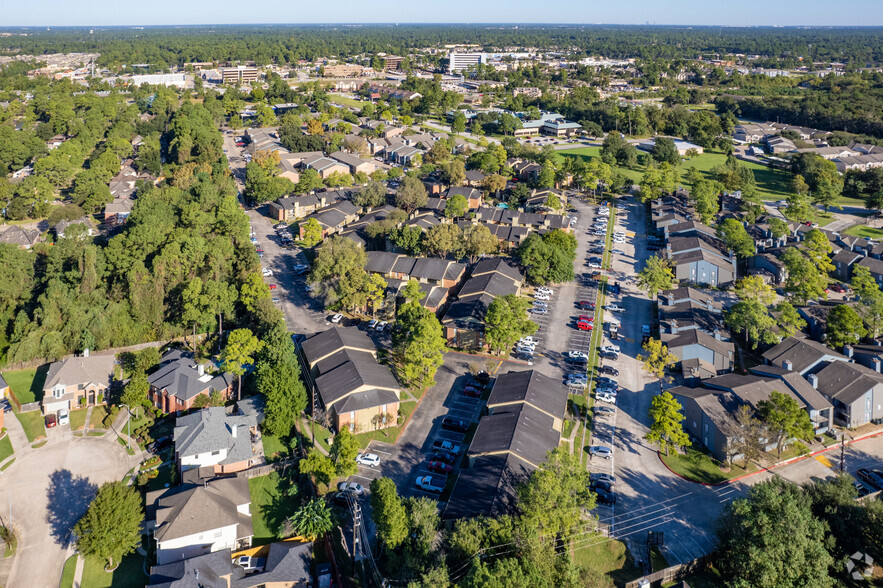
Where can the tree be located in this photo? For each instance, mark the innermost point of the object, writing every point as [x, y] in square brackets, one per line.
[135, 393]
[546, 258]
[863, 283]
[457, 206]
[478, 241]
[778, 227]
[418, 346]
[319, 465]
[454, 170]
[374, 194]
[736, 238]
[745, 435]
[458, 125]
[553, 498]
[845, 327]
[665, 150]
[804, 281]
[788, 318]
[278, 379]
[818, 249]
[309, 181]
[442, 239]
[799, 207]
[423, 522]
[506, 321]
[411, 194]
[388, 512]
[238, 353]
[751, 318]
[784, 419]
[770, 539]
[705, 199]
[656, 275]
[666, 429]
[754, 288]
[311, 521]
[657, 358]
[111, 528]
[493, 183]
[344, 450]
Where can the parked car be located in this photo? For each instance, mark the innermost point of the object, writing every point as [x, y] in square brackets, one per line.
[353, 487]
[445, 445]
[267, 273]
[605, 496]
[476, 392]
[606, 369]
[529, 339]
[159, 444]
[613, 307]
[610, 348]
[873, 478]
[608, 398]
[440, 467]
[452, 424]
[276, 301]
[605, 380]
[577, 354]
[609, 479]
[537, 310]
[63, 417]
[600, 451]
[586, 305]
[337, 318]
[541, 297]
[838, 288]
[602, 410]
[427, 484]
[250, 563]
[584, 325]
[445, 456]
[272, 286]
[608, 355]
[371, 460]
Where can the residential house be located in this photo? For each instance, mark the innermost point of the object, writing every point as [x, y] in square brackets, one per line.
[474, 178]
[20, 237]
[526, 411]
[855, 390]
[700, 259]
[63, 226]
[875, 266]
[843, 263]
[473, 196]
[75, 381]
[354, 163]
[289, 208]
[325, 166]
[859, 162]
[356, 391]
[431, 270]
[200, 516]
[700, 355]
[527, 170]
[801, 355]
[333, 218]
[210, 438]
[686, 294]
[180, 381]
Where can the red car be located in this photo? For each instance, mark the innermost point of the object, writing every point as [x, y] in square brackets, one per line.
[584, 326]
[440, 467]
[51, 421]
[472, 391]
[586, 305]
[259, 250]
[838, 288]
[584, 317]
[272, 286]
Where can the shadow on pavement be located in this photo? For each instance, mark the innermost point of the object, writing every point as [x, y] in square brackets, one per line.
[69, 498]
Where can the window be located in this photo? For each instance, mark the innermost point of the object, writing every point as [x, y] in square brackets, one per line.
[81, 386]
[58, 391]
[218, 452]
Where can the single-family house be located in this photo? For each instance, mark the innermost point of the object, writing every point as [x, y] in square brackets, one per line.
[75, 381]
[180, 380]
[20, 237]
[210, 438]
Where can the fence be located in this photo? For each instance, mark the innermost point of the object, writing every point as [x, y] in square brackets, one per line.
[27, 407]
[672, 574]
[263, 470]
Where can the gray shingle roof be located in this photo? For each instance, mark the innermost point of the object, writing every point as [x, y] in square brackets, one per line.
[847, 382]
[287, 561]
[327, 342]
[202, 571]
[488, 487]
[530, 387]
[211, 429]
[802, 353]
[190, 509]
[179, 376]
[95, 369]
[522, 431]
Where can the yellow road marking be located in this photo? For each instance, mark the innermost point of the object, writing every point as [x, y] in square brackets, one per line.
[824, 460]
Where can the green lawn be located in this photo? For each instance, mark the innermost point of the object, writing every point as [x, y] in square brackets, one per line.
[274, 447]
[26, 384]
[335, 99]
[78, 418]
[67, 574]
[390, 434]
[269, 507]
[32, 422]
[606, 557]
[5, 448]
[864, 231]
[99, 412]
[129, 574]
[772, 183]
[700, 467]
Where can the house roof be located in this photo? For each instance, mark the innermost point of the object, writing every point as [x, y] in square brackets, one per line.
[875, 266]
[350, 376]
[468, 313]
[530, 387]
[697, 337]
[381, 262]
[685, 293]
[95, 369]
[847, 382]
[690, 314]
[212, 429]
[433, 268]
[287, 562]
[495, 284]
[701, 255]
[698, 240]
[751, 389]
[488, 487]
[522, 431]
[366, 399]
[15, 235]
[325, 343]
[802, 353]
[202, 571]
[190, 509]
[499, 265]
[3, 383]
[179, 376]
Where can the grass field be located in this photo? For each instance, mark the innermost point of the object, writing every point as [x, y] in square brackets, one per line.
[864, 231]
[27, 385]
[67, 574]
[390, 434]
[5, 448]
[344, 101]
[268, 507]
[78, 418]
[607, 557]
[274, 447]
[129, 574]
[699, 467]
[772, 184]
[98, 413]
[32, 423]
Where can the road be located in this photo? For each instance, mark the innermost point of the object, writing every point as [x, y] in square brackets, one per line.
[47, 490]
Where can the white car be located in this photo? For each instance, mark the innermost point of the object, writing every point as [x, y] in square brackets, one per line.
[610, 348]
[539, 310]
[353, 487]
[577, 354]
[529, 340]
[267, 273]
[617, 251]
[541, 297]
[372, 324]
[608, 398]
[337, 318]
[594, 265]
[381, 326]
[368, 459]
[615, 308]
[544, 290]
[619, 240]
[600, 451]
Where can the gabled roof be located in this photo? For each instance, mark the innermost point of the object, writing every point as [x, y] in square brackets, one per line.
[689, 314]
[488, 488]
[203, 571]
[802, 353]
[381, 262]
[529, 387]
[191, 509]
[494, 284]
[683, 293]
[499, 265]
[847, 382]
[179, 376]
[523, 431]
[697, 337]
[334, 339]
[701, 255]
[212, 429]
[468, 313]
[95, 369]
[287, 562]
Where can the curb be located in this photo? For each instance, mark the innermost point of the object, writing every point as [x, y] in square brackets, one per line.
[772, 467]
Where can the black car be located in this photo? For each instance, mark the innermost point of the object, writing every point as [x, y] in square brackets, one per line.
[577, 361]
[452, 424]
[604, 496]
[615, 288]
[159, 445]
[872, 478]
[609, 355]
[445, 456]
[601, 485]
[606, 369]
[605, 380]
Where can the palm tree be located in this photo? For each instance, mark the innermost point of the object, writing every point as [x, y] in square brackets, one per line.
[311, 521]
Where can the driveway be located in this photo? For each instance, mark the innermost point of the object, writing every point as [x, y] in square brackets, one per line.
[47, 490]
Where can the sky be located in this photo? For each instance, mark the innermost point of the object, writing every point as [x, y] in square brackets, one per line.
[689, 12]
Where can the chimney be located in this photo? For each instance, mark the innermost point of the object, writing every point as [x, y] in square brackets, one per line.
[201, 370]
[233, 431]
[814, 380]
[717, 334]
[877, 365]
[786, 365]
[674, 326]
[86, 352]
[847, 351]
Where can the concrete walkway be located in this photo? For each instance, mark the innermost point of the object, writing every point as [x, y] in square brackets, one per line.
[78, 571]
[16, 432]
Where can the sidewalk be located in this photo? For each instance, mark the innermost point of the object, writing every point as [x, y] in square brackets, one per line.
[78, 571]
